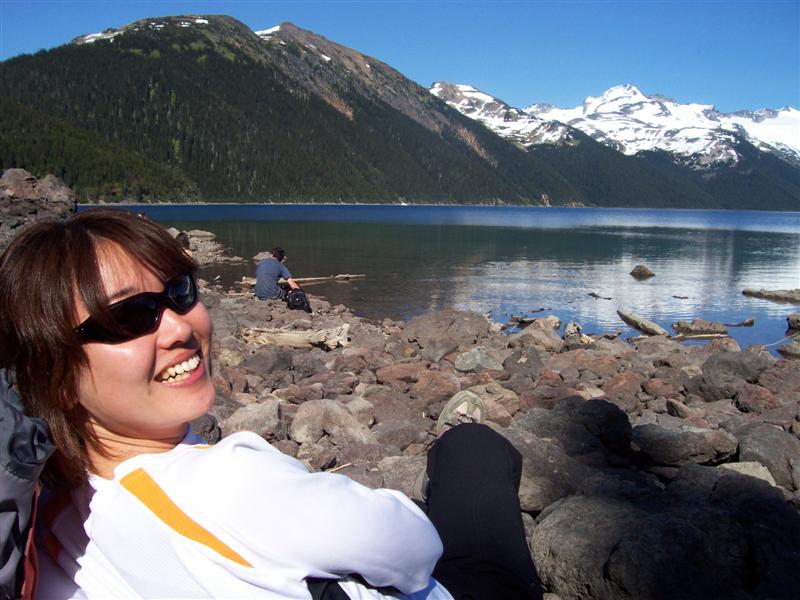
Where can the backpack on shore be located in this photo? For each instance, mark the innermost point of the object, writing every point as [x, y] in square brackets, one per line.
[296, 299]
[25, 446]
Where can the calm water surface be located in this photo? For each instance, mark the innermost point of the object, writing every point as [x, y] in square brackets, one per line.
[514, 261]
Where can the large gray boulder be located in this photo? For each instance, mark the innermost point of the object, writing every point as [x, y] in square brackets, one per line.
[262, 417]
[439, 333]
[581, 428]
[548, 473]
[525, 362]
[677, 446]
[540, 333]
[316, 418]
[475, 360]
[725, 373]
[710, 534]
[775, 449]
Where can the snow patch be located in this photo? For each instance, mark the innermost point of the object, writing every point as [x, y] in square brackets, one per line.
[266, 34]
[93, 37]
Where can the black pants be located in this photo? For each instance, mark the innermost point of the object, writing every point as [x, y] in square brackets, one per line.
[474, 476]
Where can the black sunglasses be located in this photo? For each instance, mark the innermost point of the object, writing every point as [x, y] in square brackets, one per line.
[140, 314]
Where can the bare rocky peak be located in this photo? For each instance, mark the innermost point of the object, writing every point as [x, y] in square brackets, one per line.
[334, 72]
[218, 29]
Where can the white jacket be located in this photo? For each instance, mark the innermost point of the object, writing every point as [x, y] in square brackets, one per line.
[234, 520]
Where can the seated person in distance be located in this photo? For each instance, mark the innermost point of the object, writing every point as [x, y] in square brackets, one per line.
[268, 272]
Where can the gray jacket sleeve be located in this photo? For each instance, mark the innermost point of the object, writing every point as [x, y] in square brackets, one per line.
[24, 448]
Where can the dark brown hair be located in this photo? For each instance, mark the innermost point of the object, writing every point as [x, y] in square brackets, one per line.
[43, 273]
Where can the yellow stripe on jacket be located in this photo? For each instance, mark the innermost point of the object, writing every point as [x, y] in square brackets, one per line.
[144, 487]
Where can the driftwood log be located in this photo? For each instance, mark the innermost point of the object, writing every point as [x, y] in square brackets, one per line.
[641, 324]
[327, 338]
[251, 281]
[791, 296]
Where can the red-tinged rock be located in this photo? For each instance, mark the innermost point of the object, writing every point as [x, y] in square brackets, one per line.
[626, 383]
[549, 376]
[754, 398]
[408, 372]
[679, 409]
[662, 387]
[435, 386]
[496, 393]
[496, 412]
[533, 398]
[782, 377]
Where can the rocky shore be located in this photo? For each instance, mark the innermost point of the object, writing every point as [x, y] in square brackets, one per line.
[24, 199]
[652, 469]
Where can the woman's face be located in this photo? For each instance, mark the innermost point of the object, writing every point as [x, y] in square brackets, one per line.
[126, 387]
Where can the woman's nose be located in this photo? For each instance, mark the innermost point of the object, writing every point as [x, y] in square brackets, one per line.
[174, 328]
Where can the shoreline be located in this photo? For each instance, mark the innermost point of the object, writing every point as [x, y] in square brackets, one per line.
[430, 205]
[625, 435]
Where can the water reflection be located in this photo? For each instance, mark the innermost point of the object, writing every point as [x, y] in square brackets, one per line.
[509, 270]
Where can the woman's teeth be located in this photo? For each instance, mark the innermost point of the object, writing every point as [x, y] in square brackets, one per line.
[179, 371]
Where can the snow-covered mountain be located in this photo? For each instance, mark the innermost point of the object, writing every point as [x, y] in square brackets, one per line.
[630, 121]
[507, 121]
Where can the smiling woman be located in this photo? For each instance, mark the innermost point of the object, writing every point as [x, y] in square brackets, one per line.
[59, 275]
[102, 325]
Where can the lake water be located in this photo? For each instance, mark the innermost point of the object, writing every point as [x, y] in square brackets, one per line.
[514, 261]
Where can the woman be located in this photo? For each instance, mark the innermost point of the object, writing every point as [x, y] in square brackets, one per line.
[102, 325]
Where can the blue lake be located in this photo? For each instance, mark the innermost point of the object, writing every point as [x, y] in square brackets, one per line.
[514, 261]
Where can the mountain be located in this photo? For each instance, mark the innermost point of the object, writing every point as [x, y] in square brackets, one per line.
[635, 171]
[285, 115]
[627, 120]
[280, 115]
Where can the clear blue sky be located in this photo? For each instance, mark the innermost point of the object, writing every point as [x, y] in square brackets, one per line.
[733, 54]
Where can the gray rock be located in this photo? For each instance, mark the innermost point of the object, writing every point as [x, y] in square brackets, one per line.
[262, 418]
[24, 200]
[661, 547]
[790, 350]
[399, 433]
[318, 417]
[525, 362]
[333, 384]
[362, 410]
[548, 473]
[542, 333]
[448, 326]
[724, 374]
[268, 359]
[318, 456]
[793, 321]
[773, 448]
[476, 360]
[681, 445]
[751, 469]
[641, 272]
[401, 472]
[580, 427]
